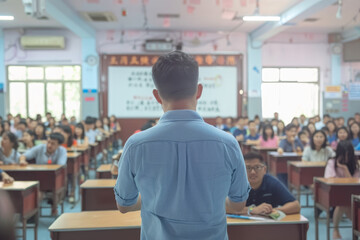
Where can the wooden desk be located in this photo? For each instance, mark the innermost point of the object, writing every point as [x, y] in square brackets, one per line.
[85, 157]
[277, 163]
[103, 172]
[24, 197]
[52, 178]
[302, 174]
[331, 192]
[245, 147]
[112, 224]
[94, 150]
[355, 209]
[263, 151]
[98, 194]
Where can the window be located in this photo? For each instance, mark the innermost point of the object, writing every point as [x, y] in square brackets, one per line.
[40, 89]
[290, 92]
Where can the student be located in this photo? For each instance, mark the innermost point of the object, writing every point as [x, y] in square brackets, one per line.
[32, 125]
[50, 153]
[345, 165]
[290, 143]
[253, 136]
[89, 130]
[168, 171]
[229, 122]
[99, 130]
[302, 121]
[342, 134]
[79, 136]
[8, 150]
[355, 133]
[331, 137]
[350, 121]
[114, 125]
[219, 123]
[7, 126]
[357, 117]
[29, 139]
[106, 124]
[280, 130]
[68, 136]
[340, 121]
[51, 125]
[311, 128]
[240, 132]
[48, 116]
[21, 128]
[295, 121]
[318, 151]
[320, 124]
[73, 121]
[268, 138]
[267, 194]
[304, 138]
[40, 134]
[274, 123]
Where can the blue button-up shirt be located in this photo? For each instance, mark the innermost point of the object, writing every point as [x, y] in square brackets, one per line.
[184, 169]
[42, 157]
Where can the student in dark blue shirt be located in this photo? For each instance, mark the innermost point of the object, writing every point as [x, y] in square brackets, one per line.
[240, 132]
[267, 193]
[254, 136]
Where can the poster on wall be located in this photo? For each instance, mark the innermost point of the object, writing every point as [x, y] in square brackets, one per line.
[354, 91]
[333, 92]
[130, 88]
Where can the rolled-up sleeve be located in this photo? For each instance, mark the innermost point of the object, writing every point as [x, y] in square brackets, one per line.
[126, 191]
[240, 187]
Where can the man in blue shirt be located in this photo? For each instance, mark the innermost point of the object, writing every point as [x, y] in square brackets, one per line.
[267, 194]
[186, 171]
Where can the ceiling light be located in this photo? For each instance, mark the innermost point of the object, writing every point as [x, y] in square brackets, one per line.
[261, 18]
[6, 18]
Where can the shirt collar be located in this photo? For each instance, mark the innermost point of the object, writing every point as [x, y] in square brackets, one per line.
[46, 154]
[180, 115]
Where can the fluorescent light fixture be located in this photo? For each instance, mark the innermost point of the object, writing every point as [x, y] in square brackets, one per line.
[6, 18]
[261, 18]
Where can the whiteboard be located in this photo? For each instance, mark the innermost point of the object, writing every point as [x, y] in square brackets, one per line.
[130, 92]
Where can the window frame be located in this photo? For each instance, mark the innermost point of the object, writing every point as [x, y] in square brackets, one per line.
[44, 81]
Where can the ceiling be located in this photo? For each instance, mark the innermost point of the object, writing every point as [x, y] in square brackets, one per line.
[194, 15]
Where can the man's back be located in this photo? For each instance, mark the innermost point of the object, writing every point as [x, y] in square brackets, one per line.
[184, 170]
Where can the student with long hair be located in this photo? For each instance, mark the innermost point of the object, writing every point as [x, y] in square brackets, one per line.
[280, 129]
[332, 131]
[318, 151]
[268, 138]
[354, 133]
[8, 150]
[40, 132]
[344, 165]
[29, 139]
[342, 134]
[79, 136]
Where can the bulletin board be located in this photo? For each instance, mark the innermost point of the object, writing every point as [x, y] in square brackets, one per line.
[130, 85]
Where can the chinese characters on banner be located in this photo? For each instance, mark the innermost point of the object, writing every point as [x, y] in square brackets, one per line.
[130, 86]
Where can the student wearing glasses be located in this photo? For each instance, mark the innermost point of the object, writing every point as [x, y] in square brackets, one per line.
[267, 194]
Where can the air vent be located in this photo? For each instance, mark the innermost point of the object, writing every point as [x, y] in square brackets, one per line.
[99, 16]
[311, 20]
[168, 15]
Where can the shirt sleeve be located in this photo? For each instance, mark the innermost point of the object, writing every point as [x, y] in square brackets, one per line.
[281, 193]
[330, 169]
[240, 187]
[62, 156]
[126, 191]
[306, 154]
[31, 153]
[282, 144]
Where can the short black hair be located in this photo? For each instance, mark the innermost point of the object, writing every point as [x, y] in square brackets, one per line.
[254, 155]
[289, 127]
[302, 132]
[58, 137]
[176, 75]
[326, 115]
[23, 122]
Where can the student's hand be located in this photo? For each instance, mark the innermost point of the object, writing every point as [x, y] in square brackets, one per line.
[298, 150]
[23, 163]
[6, 178]
[262, 209]
[280, 151]
[340, 165]
[240, 137]
[1, 163]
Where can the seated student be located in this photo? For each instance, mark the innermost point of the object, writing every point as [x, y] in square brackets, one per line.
[21, 128]
[304, 138]
[106, 124]
[32, 125]
[355, 133]
[357, 117]
[29, 139]
[280, 132]
[267, 194]
[253, 136]
[79, 136]
[68, 136]
[100, 131]
[229, 122]
[240, 132]
[311, 128]
[50, 153]
[350, 121]
[268, 138]
[340, 121]
[89, 130]
[344, 165]
[73, 121]
[51, 125]
[290, 143]
[331, 137]
[318, 151]
[114, 125]
[8, 150]
[40, 134]
[342, 134]
[219, 123]
[5, 177]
